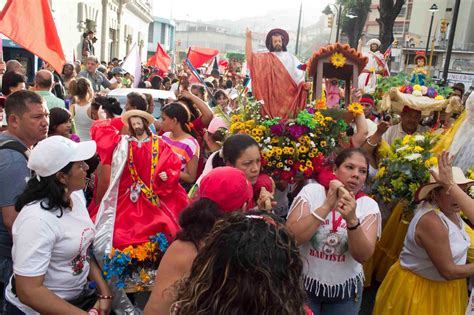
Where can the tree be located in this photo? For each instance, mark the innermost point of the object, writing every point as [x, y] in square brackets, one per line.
[388, 10]
[353, 27]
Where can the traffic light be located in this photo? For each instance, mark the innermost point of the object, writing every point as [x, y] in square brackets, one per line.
[330, 21]
[444, 25]
[395, 43]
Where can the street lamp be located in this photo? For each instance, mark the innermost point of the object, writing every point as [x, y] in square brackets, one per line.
[327, 11]
[432, 9]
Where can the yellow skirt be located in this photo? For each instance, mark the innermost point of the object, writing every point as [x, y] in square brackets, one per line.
[404, 292]
[388, 248]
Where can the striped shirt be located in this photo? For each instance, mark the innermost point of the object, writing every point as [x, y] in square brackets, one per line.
[185, 149]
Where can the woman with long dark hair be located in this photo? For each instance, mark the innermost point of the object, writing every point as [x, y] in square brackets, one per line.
[250, 264]
[222, 191]
[175, 123]
[53, 235]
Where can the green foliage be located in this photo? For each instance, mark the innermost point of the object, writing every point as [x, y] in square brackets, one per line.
[240, 57]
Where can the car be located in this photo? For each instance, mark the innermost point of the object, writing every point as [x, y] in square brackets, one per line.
[159, 97]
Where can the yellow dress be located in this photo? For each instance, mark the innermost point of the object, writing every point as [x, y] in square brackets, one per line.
[405, 293]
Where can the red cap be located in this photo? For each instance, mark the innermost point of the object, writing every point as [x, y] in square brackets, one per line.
[228, 187]
[366, 100]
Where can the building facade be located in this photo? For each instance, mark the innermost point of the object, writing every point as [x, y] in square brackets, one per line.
[161, 31]
[118, 25]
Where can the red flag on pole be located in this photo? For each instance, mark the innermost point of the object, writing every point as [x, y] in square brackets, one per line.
[30, 24]
[198, 55]
[160, 59]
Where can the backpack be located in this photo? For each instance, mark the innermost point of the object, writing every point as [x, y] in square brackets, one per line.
[15, 146]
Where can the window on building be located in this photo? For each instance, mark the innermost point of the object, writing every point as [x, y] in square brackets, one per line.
[403, 11]
[151, 28]
[163, 34]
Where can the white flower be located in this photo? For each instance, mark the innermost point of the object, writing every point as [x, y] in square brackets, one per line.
[266, 140]
[402, 148]
[286, 168]
[312, 144]
[311, 135]
[419, 138]
[413, 156]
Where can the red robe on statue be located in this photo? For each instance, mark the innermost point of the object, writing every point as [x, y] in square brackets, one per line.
[136, 221]
[279, 85]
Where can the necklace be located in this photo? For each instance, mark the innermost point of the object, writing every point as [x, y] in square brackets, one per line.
[138, 184]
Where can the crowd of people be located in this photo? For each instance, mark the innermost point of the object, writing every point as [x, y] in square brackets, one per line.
[81, 173]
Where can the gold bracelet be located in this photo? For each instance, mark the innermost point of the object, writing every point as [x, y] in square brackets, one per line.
[105, 297]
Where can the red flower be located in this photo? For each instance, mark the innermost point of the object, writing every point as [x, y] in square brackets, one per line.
[302, 66]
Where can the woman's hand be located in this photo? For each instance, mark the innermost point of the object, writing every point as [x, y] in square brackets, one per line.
[105, 305]
[264, 201]
[346, 206]
[163, 176]
[445, 171]
[331, 195]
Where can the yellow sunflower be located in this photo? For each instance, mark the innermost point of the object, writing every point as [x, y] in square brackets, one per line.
[338, 60]
[355, 108]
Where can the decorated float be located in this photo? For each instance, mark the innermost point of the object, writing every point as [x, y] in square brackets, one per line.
[300, 147]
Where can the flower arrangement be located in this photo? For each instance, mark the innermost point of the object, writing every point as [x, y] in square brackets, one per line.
[290, 147]
[133, 268]
[355, 108]
[405, 168]
[338, 60]
[402, 82]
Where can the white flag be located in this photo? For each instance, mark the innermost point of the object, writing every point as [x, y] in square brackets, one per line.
[132, 64]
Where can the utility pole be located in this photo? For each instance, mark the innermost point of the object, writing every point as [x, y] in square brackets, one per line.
[298, 31]
[338, 22]
[451, 40]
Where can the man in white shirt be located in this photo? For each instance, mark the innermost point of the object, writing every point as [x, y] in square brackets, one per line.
[409, 124]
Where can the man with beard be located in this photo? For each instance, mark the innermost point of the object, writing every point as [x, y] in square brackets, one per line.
[144, 196]
[276, 77]
[375, 67]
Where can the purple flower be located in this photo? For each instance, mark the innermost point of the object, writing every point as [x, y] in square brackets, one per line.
[409, 89]
[311, 110]
[431, 92]
[297, 131]
[277, 130]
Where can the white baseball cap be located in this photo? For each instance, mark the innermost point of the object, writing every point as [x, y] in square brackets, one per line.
[53, 153]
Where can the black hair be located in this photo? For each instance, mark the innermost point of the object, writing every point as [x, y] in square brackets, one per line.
[141, 85]
[347, 153]
[17, 103]
[109, 104]
[9, 80]
[57, 116]
[197, 220]
[180, 112]
[232, 149]
[165, 80]
[366, 95]
[200, 88]
[137, 101]
[156, 82]
[229, 84]
[195, 113]
[220, 93]
[174, 80]
[48, 190]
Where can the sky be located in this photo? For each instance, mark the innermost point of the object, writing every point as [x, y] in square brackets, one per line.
[206, 10]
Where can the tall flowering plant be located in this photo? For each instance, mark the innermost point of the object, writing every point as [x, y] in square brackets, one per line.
[133, 268]
[290, 147]
[405, 168]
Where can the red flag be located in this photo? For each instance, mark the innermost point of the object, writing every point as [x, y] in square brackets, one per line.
[30, 24]
[198, 55]
[160, 59]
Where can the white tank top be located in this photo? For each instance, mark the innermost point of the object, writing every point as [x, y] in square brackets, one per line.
[415, 257]
[83, 121]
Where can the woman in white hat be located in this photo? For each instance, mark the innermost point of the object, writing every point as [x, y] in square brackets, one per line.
[430, 277]
[53, 234]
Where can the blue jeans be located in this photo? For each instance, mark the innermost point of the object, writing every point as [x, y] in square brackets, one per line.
[11, 309]
[6, 271]
[349, 305]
